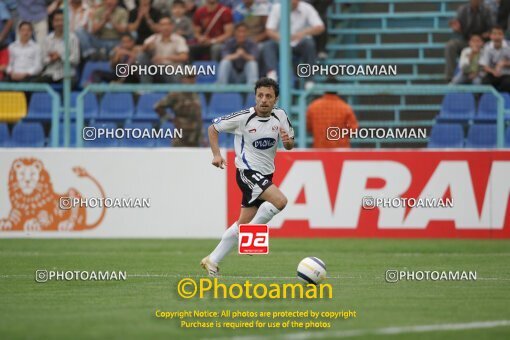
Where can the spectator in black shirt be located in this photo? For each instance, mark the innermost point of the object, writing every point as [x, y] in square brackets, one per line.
[143, 21]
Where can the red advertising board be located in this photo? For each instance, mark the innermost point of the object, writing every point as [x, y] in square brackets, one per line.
[326, 191]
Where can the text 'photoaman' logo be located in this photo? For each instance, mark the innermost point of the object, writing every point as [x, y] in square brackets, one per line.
[36, 207]
[264, 143]
[253, 239]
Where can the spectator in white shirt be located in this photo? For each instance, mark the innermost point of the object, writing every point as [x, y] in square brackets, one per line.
[305, 23]
[166, 48]
[79, 15]
[24, 56]
[54, 51]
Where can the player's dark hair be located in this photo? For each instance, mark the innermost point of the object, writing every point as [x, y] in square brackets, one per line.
[268, 82]
[178, 3]
[27, 23]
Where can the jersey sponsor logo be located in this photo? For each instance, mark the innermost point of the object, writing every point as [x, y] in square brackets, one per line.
[264, 143]
[253, 239]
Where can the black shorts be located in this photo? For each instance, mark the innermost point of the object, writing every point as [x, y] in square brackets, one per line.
[252, 185]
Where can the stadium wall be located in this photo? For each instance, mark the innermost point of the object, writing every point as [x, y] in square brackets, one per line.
[191, 199]
[186, 194]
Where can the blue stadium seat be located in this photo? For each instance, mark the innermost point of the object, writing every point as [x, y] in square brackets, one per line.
[4, 135]
[446, 136]
[457, 107]
[250, 100]
[209, 78]
[137, 142]
[223, 104]
[101, 142]
[90, 67]
[506, 97]
[39, 107]
[487, 109]
[507, 137]
[145, 107]
[165, 142]
[116, 106]
[91, 106]
[481, 136]
[29, 134]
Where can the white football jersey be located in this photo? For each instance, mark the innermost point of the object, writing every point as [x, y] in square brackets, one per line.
[256, 138]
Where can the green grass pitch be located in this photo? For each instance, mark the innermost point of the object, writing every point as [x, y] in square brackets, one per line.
[125, 309]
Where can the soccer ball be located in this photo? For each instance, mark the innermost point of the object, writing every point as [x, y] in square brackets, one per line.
[311, 270]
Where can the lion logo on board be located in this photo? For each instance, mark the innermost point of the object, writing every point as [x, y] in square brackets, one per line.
[34, 204]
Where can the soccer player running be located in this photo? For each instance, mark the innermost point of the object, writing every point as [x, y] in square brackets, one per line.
[256, 133]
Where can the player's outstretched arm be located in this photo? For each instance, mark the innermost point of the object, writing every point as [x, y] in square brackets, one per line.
[288, 143]
[218, 161]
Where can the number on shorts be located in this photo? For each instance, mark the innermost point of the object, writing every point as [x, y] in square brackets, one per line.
[257, 177]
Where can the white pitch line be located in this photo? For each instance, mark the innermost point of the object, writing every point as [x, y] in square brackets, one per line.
[338, 277]
[379, 331]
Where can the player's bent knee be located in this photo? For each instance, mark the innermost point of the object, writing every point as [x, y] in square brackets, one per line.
[281, 202]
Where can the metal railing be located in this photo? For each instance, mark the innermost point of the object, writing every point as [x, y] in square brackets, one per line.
[102, 88]
[399, 90]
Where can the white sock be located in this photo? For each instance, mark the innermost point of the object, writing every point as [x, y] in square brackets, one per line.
[229, 240]
[265, 213]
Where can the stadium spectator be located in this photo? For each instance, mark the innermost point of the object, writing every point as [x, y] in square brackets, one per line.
[143, 21]
[472, 18]
[212, 25]
[493, 6]
[36, 13]
[4, 62]
[326, 116]
[496, 61]
[191, 7]
[24, 55]
[54, 51]
[239, 63]
[109, 21]
[305, 23]
[469, 63]
[12, 7]
[182, 24]
[503, 14]
[321, 39]
[254, 14]
[78, 16]
[162, 6]
[125, 53]
[166, 48]
[6, 24]
[187, 116]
